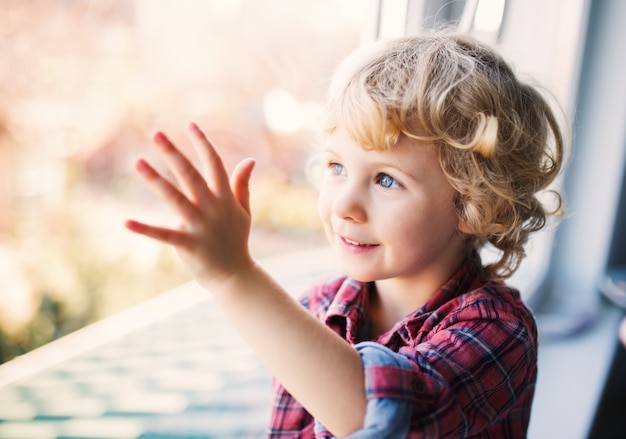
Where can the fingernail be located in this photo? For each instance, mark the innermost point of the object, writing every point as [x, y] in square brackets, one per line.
[141, 165]
[160, 137]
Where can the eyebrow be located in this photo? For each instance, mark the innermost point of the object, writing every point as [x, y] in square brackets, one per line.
[329, 150]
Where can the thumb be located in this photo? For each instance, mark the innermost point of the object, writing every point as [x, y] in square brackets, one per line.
[240, 182]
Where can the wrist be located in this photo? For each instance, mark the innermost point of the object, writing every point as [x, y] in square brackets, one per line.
[236, 278]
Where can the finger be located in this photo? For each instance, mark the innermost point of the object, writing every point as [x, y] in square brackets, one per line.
[212, 164]
[175, 238]
[167, 191]
[191, 181]
[240, 182]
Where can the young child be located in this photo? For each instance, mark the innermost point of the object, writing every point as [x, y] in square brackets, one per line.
[434, 149]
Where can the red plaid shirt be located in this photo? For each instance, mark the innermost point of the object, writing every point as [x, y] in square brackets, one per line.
[469, 355]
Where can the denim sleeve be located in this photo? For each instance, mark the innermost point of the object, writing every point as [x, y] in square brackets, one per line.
[389, 385]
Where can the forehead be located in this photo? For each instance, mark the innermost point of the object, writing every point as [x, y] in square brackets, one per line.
[340, 139]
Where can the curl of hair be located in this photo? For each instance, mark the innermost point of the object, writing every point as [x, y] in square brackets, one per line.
[497, 139]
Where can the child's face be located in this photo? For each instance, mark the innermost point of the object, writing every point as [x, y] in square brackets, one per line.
[389, 214]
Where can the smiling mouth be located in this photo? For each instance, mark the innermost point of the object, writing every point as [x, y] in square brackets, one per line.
[351, 242]
[355, 244]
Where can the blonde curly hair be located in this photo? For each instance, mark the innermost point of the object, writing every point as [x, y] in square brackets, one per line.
[497, 139]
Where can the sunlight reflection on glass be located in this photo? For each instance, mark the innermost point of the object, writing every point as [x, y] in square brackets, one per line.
[489, 15]
[283, 113]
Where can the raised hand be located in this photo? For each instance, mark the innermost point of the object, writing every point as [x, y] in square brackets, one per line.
[212, 239]
[213, 243]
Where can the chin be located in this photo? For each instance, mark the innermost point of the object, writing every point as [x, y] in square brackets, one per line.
[358, 275]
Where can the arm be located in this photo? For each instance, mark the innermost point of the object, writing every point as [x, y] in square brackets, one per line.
[390, 406]
[467, 377]
[213, 244]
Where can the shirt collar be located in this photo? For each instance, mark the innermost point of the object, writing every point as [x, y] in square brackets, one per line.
[347, 313]
[466, 278]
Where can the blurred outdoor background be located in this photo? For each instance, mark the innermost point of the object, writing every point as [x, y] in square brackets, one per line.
[83, 86]
[85, 83]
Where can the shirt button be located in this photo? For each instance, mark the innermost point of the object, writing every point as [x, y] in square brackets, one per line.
[419, 386]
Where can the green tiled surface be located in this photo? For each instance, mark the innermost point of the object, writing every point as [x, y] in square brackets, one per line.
[186, 374]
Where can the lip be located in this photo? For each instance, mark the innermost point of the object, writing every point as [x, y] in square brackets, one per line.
[355, 246]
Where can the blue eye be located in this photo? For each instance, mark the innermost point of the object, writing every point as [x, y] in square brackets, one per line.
[336, 168]
[387, 181]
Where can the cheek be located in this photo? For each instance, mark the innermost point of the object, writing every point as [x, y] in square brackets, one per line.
[322, 205]
[420, 227]
[326, 197]
[324, 202]
[324, 212]
[407, 232]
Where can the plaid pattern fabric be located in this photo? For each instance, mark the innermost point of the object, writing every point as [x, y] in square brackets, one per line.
[472, 348]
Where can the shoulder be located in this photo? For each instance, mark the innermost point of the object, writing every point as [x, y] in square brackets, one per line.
[488, 325]
[469, 295]
[493, 301]
[493, 312]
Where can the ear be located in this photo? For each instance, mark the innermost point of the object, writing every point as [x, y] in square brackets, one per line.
[462, 222]
[464, 227]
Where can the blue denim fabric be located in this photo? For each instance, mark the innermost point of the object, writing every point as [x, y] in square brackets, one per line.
[385, 418]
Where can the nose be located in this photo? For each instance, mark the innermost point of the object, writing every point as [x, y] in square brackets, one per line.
[349, 202]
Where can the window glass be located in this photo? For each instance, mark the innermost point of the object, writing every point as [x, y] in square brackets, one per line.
[85, 84]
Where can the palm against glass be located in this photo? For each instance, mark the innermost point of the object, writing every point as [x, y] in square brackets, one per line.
[215, 211]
